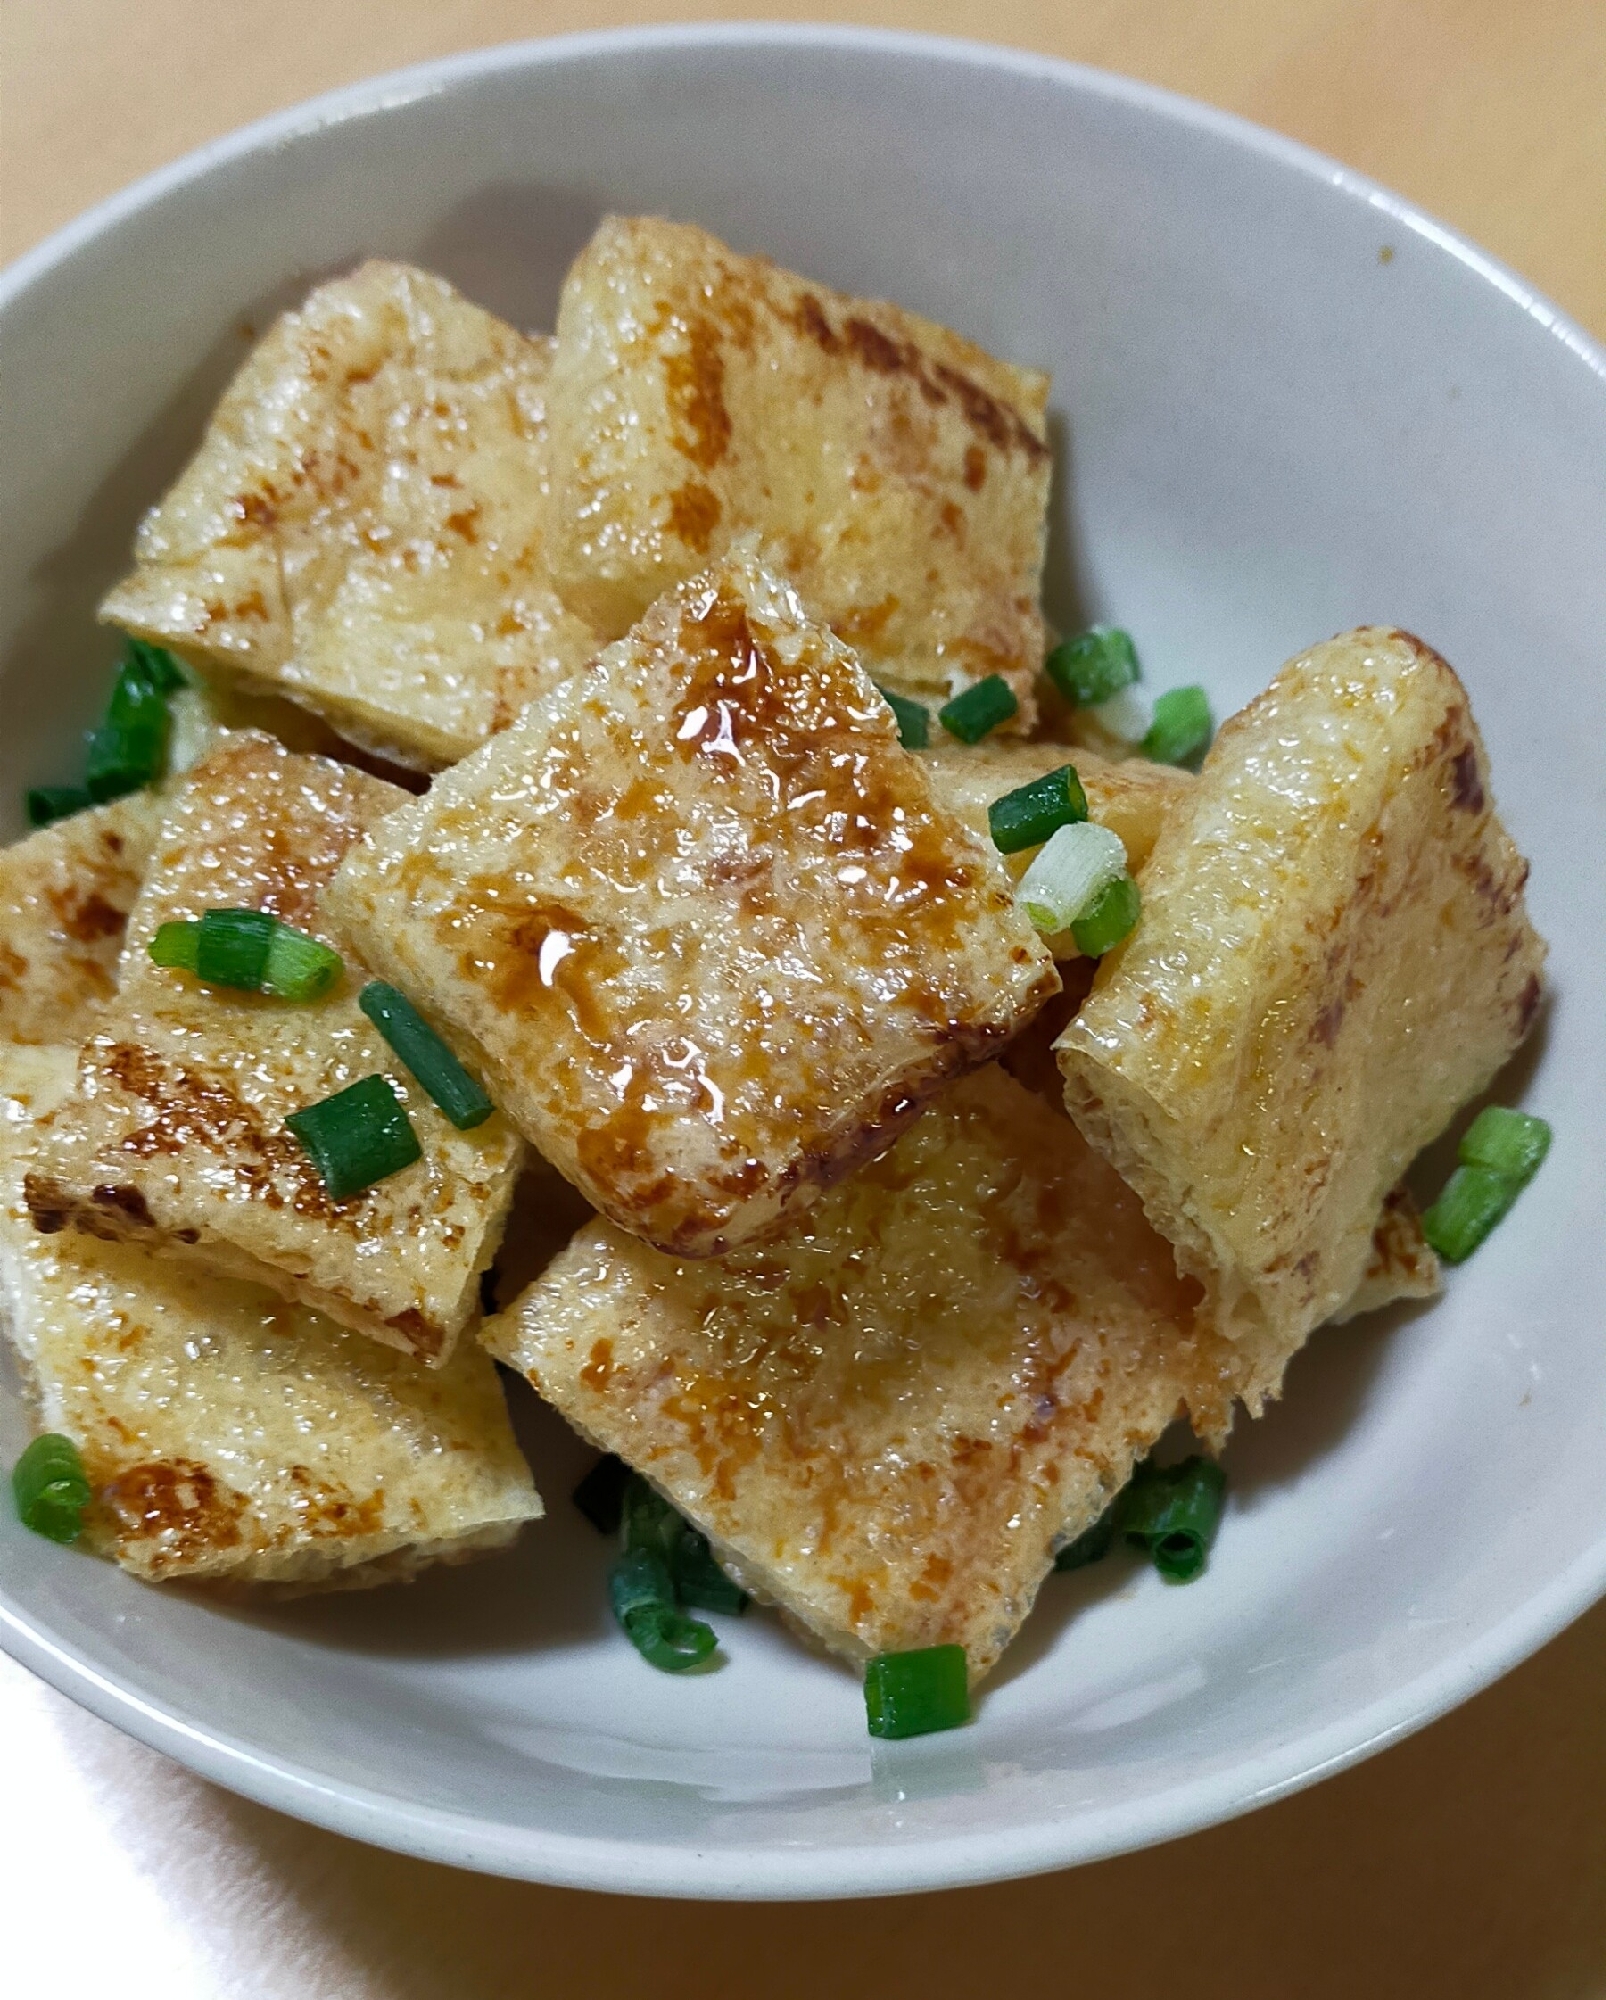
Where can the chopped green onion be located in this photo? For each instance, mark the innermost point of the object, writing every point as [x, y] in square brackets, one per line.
[428, 1058]
[1125, 715]
[1093, 666]
[250, 951]
[299, 967]
[643, 1598]
[914, 1693]
[129, 749]
[1108, 918]
[978, 709]
[649, 1522]
[1506, 1142]
[162, 669]
[360, 1135]
[1173, 1511]
[51, 1487]
[600, 1496]
[231, 948]
[1076, 865]
[48, 803]
[1181, 727]
[699, 1580]
[1091, 1545]
[1473, 1201]
[1027, 816]
[912, 717]
[176, 945]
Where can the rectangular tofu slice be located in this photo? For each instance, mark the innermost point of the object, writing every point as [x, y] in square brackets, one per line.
[175, 1134]
[1333, 957]
[229, 1435]
[65, 895]
[361, 529]
[887, 1423]
[700, 919]
[897, 474]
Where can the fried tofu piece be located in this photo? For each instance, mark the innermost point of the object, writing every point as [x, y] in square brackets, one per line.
[1401, 1264]
[65, 895]
[361, 529]
[228, 1435]
[700, 920]
[175, 1135]
[898, 475]
[1334, 956]
[887, 1423]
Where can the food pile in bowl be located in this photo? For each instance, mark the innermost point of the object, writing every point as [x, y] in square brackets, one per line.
[595, 863]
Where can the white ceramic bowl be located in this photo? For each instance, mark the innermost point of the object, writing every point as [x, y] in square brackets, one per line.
[1286, 404]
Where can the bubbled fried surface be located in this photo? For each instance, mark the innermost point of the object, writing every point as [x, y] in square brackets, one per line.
[888, 1419]
[361, 529]
[175, 1135]
[227, 1434]
[898, 475]
[65, 895]
[697, 914]
[1334, 956]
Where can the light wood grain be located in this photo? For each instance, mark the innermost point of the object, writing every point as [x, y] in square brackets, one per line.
[1469, 1861]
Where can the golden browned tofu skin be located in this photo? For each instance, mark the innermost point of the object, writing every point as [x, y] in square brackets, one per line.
[65, 895]
[175, 1135]
[897, 474]
[231, 1436]
[361, 529]
[1333, 956]
[887, 1423]
[1401, 1264]
[700, 920]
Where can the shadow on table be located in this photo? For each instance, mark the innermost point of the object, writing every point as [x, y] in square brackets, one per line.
[1468, 1861]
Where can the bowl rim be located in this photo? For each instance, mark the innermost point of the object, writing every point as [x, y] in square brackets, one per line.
[662, 1869]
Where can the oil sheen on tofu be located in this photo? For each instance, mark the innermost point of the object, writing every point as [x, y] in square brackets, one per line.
[174, 1135]
[709, 934]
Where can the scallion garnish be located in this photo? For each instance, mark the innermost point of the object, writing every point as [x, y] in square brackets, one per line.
[1091, 1545]
[360, 1135]
[914, 1693]
[643, 1597]
[978, 709]
[129, 748]
[1500, 1152]
[1027, 816]
[600, 1496]
[231, 948]
[428, 1058]
[648, 1520]
[51, 1487]
[1093, 666]
[163, 671]
[699, 1580]
[912, 717]
[1181, 727]
[48, 803]
[1173, 1512]
[250, 951]
[1110, 916]
[1074, 867]
[1513, 1143]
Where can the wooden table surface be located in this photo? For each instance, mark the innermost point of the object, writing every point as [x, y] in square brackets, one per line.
[1470, 1860]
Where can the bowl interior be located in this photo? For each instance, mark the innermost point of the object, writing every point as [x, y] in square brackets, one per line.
[1283, 405]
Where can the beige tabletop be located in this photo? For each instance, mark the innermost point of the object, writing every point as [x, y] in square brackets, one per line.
[1469, 1861]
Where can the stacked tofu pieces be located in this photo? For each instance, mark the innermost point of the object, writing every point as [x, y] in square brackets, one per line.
[893, 1246]
[230, 1434]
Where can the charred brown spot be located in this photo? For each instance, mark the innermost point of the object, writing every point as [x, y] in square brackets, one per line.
[1528, 1003]
[125, 1201]
[975, 467]
[598, 1370]
[49, 1204]
[877, 350]
[694, 514]
[694, 380]
[257, 509]
[463, 522]
[1466, 783]
[94, 919]
[177, 1502]
[421, 1336]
